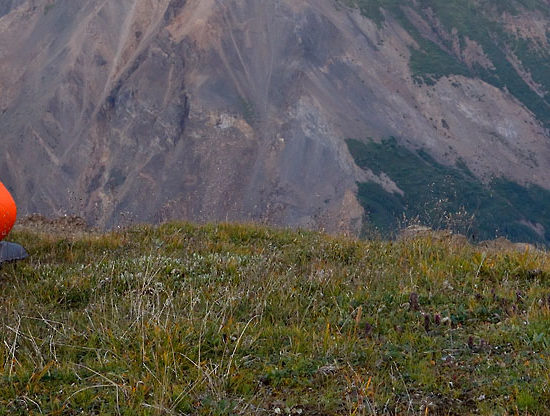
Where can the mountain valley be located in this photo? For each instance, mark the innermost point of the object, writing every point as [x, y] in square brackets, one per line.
[277, 112]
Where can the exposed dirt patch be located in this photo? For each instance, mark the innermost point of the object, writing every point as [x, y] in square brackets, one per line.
[65, 226]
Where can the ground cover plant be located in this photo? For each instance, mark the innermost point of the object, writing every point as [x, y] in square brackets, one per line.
[230, 319]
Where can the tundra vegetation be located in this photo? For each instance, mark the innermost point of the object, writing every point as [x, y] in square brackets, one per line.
[446, 197]
[242, 319]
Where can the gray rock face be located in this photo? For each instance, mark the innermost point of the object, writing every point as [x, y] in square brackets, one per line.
[210, 110]
[8, 5]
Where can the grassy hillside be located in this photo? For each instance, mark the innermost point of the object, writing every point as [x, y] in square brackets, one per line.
[446, 196]
[231, 319]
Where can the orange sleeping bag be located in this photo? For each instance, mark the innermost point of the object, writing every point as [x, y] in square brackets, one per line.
[8, 211]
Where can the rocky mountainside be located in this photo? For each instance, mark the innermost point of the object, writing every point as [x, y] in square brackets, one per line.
[315, 113]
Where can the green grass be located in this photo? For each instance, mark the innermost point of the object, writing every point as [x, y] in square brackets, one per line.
[448, 197]
[229, 319]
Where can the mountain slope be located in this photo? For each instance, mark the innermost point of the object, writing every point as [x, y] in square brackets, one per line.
[240, 110]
